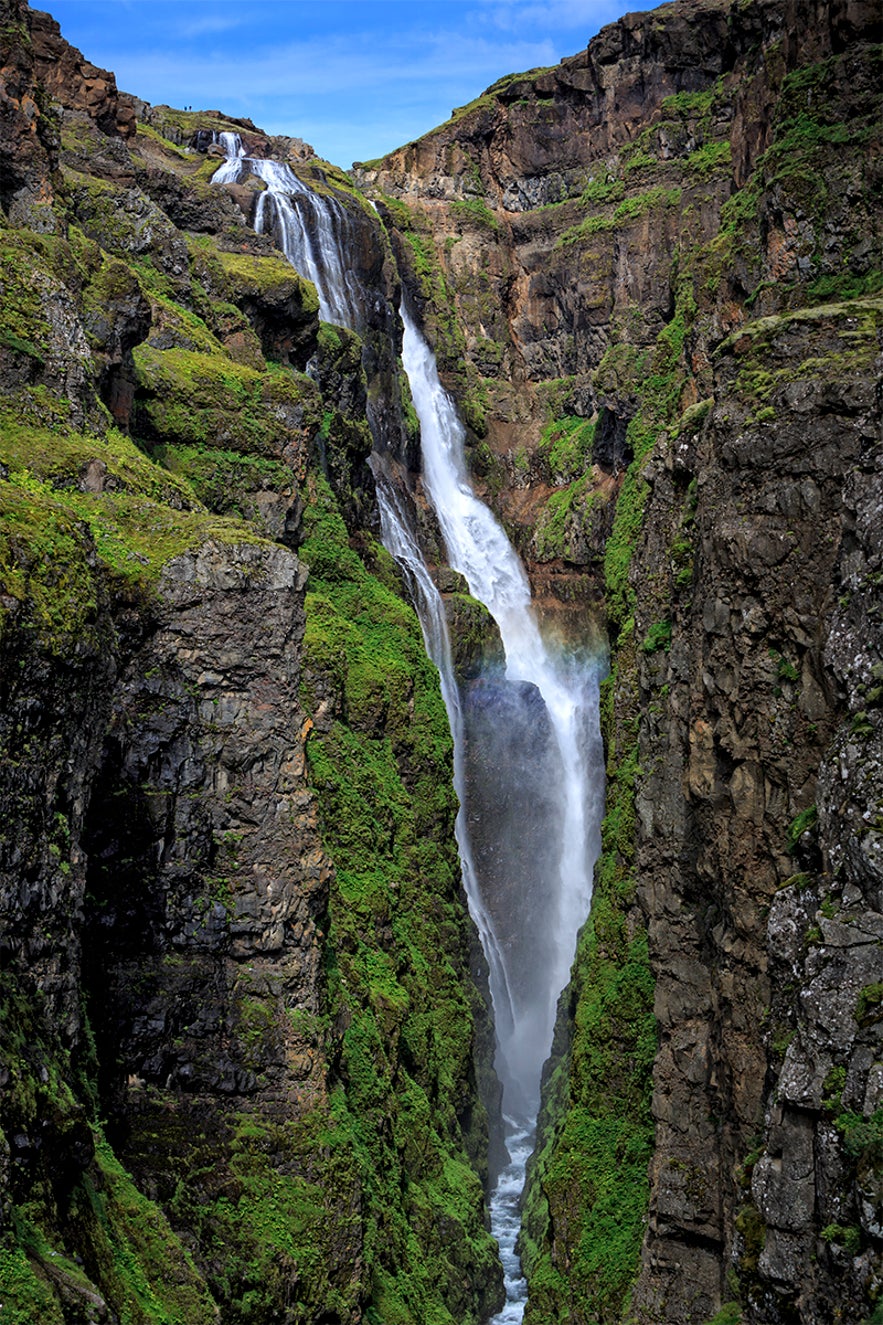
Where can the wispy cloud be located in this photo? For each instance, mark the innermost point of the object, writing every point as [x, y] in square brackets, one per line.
[322, 67]
[354, 77]
[201, 27]
[584, 16]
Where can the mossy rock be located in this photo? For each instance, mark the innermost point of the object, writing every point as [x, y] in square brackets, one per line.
[114, 1250]
[475, 637]
[280, 305]
[201, 399]
[379, 762]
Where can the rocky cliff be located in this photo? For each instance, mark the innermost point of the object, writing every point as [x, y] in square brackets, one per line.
[242, 1026]
[652, 276]
[240, 1038]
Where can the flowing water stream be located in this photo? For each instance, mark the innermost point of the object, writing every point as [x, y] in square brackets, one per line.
[528, 762]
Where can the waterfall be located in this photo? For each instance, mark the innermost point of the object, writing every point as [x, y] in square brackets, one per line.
[528, 842]
[398, 539]
[478, 548]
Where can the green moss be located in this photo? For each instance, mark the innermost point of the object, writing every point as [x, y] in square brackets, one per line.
[80, 1228]
[847, 1236]
[477, 212]
[568, 444]
[658, 400]
[869, 1005]
[205, 399]
[262, 276]
[59, 544]
[802, 823]
[753, 1231]
[821, 108]
[862, 1137]
[603, 191]
[396, 943]
[24, 324]
[224, 481]
[689, 105]
[839, 286]
[709, 159]
[729, 1314]
[561, 524]
[59, 459]
[147, 131]
[657, 637]
[134, 1249]
[619, 549]
[832, 1088]
[630, 209]
[26, 1296]
[487, 101]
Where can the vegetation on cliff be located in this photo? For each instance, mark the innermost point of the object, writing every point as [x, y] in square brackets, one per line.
[233, 930]
[236, 953]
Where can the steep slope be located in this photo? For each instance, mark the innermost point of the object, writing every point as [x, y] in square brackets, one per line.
[652, 278]
[239, 1039]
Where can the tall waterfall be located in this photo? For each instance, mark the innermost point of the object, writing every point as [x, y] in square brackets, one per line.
[528, 842]
[551, 903]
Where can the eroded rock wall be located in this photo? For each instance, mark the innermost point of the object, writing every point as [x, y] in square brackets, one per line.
[240, 1044]
[652, 276]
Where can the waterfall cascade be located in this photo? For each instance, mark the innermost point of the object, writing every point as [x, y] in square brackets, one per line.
[541, 837]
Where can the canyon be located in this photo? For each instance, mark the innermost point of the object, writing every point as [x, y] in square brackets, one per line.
[247, 1037]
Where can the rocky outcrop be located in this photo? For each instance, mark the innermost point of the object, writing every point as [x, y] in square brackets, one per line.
[733, 767]
[539, 227]
[29, 129]
[73, 82]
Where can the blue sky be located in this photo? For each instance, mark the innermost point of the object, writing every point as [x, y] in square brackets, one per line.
[355, 78]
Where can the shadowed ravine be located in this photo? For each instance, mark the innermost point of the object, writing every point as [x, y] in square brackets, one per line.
[528, 831]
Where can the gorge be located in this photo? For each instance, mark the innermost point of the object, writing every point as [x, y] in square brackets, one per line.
[247, 1030]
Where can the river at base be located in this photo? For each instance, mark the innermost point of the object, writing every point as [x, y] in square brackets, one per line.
[505, 1212]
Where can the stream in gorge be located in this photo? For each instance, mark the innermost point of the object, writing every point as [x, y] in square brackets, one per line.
[528, 756]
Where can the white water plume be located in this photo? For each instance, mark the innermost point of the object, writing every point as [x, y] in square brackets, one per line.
[478, 547]
[399, 539]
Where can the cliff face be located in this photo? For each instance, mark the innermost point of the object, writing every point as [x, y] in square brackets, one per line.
[239, 1039]
[651, 274]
